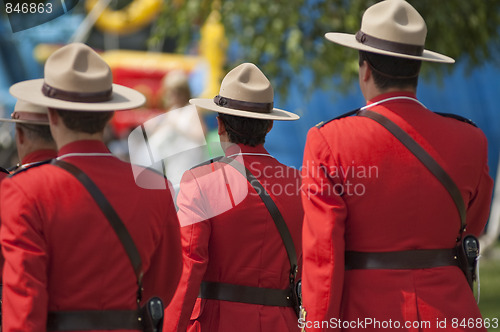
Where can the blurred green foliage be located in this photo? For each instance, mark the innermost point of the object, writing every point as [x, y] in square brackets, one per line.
[284, 37]
[490, 285]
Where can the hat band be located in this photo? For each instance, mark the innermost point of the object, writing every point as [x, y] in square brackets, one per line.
[243, 105]
[30, 116]
[84, 97]
[387, 45]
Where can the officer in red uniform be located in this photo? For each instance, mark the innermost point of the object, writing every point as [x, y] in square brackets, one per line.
[231, 245]
[34, 141]
[365, 195]
[66, 268]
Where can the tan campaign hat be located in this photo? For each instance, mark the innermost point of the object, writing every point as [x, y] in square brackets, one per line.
[245, 92]
[76, 78]
[391, 27]
[28, 113]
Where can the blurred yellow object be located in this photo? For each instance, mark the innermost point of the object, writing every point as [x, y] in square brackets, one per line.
[150, 60]
[42, 51]
[213, 45]
[136, 15]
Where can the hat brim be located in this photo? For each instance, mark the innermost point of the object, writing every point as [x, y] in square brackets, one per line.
[25, 121]
[350, 41]
[275, 114]
[123, 98]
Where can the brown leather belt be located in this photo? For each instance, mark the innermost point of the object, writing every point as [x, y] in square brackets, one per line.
[400, 260]
[245, 294]
[93, 320]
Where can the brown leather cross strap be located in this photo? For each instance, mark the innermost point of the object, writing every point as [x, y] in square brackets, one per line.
[110, 213]
[400, 260]
[245, 294]
[82, 320]
[286, 237]
[429, 162]
[93, 320]
[420, 258]
[248, 294]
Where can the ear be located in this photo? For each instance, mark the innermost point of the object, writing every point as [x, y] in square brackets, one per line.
[365, 71]
[221, 127]
[53, 117]
[270, 126]
[20, 135]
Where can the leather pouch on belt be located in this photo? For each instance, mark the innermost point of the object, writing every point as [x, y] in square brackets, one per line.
[467, 255]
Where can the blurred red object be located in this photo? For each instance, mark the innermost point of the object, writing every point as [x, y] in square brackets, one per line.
[147, 82]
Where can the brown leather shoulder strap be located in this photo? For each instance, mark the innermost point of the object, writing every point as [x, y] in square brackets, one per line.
[110, 213]
[273, 210]
[429, 162]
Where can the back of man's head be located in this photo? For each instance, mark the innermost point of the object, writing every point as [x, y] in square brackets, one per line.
[85, 122]
[390, 71]
[247, 131]
[36, 132]
[175, 88]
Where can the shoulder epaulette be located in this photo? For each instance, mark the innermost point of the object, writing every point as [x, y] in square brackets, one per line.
[3, 170]
[457, 117]
[23, 169]
[345, 115]
[208, 162]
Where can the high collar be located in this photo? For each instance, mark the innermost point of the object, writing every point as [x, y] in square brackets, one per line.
[391, 95]
[39, 155]
[84, 146]
[241, 148]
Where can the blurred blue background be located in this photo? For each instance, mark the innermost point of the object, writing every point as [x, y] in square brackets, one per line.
[470, 94]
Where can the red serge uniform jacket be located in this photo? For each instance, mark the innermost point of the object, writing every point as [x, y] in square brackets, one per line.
[38, 156]
[62, 254]
[364, 191]
[229, 236]
[29, 160]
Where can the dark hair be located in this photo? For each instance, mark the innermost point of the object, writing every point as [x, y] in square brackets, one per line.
[86, 122]
[36, 132]
[389, 71]
[245, 131]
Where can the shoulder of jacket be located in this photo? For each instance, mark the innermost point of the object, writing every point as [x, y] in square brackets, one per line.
[208, 162]
[345, 115]
[457, 117]
[34, 165]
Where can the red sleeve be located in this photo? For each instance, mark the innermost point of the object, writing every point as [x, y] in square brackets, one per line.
[195, 237]
[478, 209]
[25, 297]
[2, 176]
[323, 233]
[166, 264]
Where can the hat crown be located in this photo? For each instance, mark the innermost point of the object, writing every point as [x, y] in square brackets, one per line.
[247, 83]
[77, 68]
[24, 106]
[395, 21]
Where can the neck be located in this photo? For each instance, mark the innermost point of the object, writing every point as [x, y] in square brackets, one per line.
[29, 146]
[71, 136]
[370, 94]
